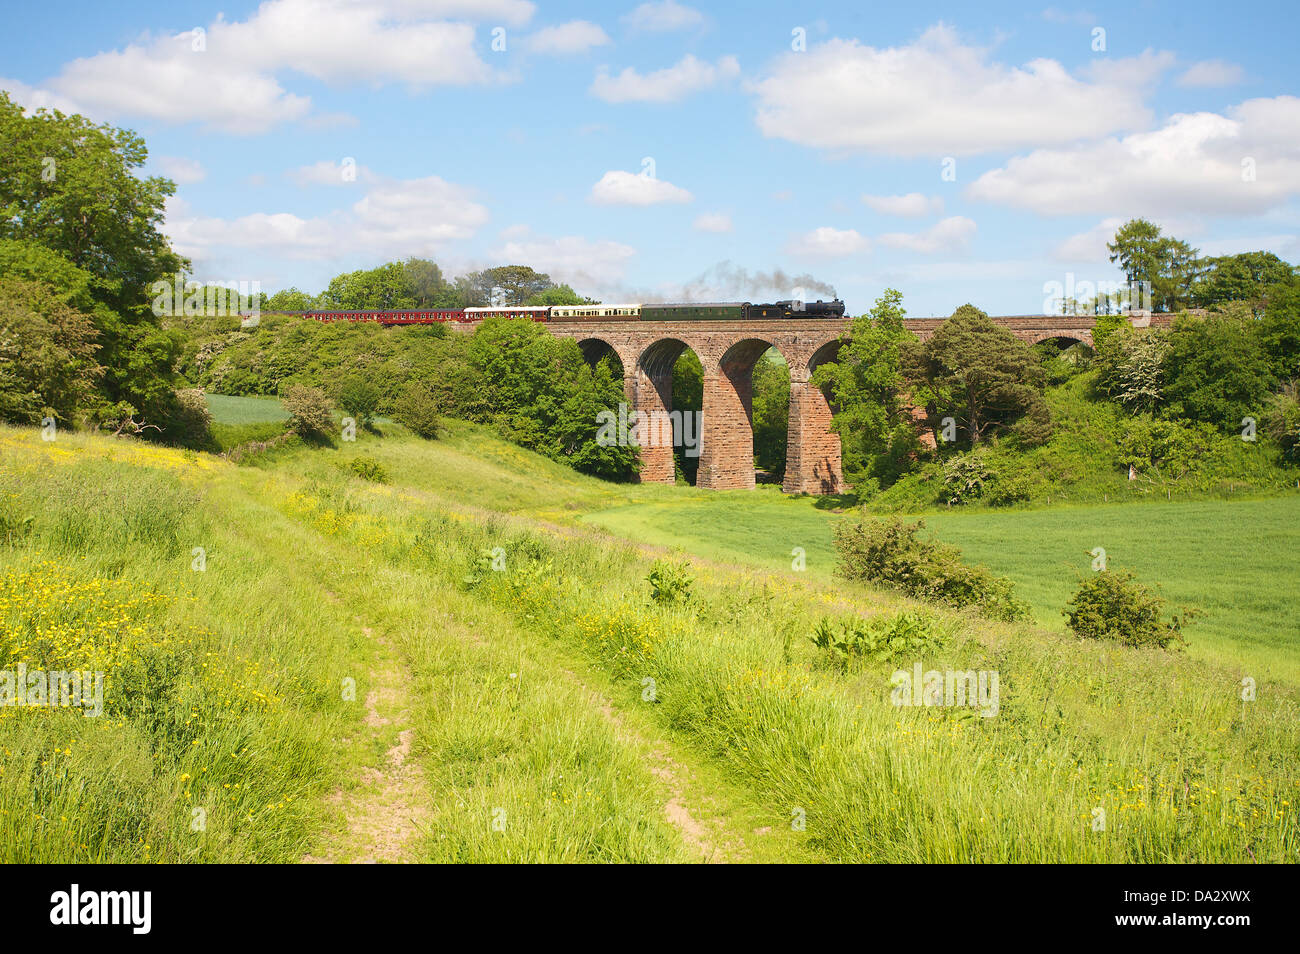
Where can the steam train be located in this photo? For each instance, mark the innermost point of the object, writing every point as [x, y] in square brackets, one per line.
[669, 311]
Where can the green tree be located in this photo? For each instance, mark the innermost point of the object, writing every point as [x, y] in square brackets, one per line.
[1219, 372]
[688, 398]
[540, 392]
[1279, 330]
[559, 295]
[1243, 277]
[68, 186]
[290, 299]
[310, 413]
[771, 412]
[983, 377]
[418, 410]
[1167, 264]
[868, 391]
[424, 282]
[1131, 367]
[515, 284]
[47, 355]
[384, 287]
[360, 398]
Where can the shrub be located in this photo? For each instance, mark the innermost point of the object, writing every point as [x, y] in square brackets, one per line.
[1219, 370]
[360, 399]
[1008, 489]
[964, 478]
[47, 355]
[417, 409]
[367, 468]
[1282, 420]
[190, 424]
[310, 412]
[1170, 449]
[670, 582]
[1111, 606]
[891, 553]
[879, 640]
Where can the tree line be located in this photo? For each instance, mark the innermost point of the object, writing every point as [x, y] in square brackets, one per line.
[419, 283]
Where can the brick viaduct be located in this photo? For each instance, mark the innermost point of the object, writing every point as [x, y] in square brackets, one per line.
[728, 352]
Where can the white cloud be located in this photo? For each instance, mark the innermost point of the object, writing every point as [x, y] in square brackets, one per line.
[327, 172]
[1194, 163]
[184, 171]
[227, 77]
[938, 97]
[578, 36]
[626, 188]
[396, 218]
[584, 264]
[31, 98]
[1089, 246]
[826, 242]
[663, 16]
[687, 76]
[1069, 17]
[713, 222]
[948, 235]
[912, 205]
[417, 214]
[1212, 73]
[512, 12]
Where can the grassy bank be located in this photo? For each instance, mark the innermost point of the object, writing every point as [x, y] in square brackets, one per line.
[547, 710]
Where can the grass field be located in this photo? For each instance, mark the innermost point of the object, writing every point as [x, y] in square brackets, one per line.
[245, 410]
[350, 675]
[1236, 561]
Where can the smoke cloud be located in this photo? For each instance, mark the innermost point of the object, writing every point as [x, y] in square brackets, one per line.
[728, 282]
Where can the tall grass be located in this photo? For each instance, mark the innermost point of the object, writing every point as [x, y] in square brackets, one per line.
[224, 686]
[1182, 769]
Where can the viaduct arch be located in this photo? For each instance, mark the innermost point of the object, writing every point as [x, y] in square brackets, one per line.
[728, 351]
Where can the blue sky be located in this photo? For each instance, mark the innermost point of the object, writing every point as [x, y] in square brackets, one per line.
[672, 149]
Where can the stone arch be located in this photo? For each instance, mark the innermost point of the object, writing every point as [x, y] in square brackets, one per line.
[1066, 338]
[727, 454]
[813, 459]
[651, 391]
[594, 350]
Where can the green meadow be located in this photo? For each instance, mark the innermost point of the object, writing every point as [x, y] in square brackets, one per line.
[456, 665]
[1234, 561]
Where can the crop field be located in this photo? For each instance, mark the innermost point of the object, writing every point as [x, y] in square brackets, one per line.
[1238, 562]
[231, 410]
[449, 666]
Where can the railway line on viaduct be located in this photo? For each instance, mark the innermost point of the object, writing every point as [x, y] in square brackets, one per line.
[728, 351]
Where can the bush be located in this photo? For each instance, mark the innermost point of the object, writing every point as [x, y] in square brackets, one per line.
[1282, 420]
[359, 399]
[1111, 606]
[367, 468]
[890, 552]
[417, 409]
[1008, 489]
[1169, 449]
[47, 356]
[310, 412]
[190, 423]
[964, 478]
[882, 639]
[670, 582]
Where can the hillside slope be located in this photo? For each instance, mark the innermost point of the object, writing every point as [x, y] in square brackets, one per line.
[501, 688]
